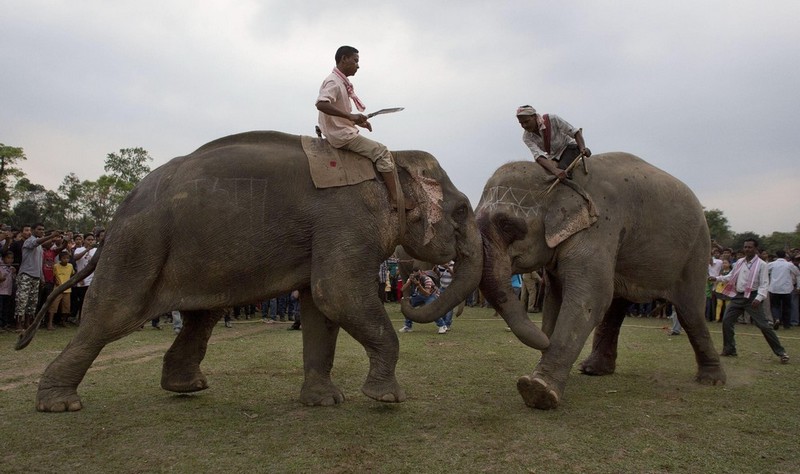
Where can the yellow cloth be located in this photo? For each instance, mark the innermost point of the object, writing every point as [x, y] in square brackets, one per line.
[61, 273]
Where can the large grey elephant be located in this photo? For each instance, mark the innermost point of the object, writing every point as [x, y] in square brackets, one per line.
[625, 232]
[239, 220]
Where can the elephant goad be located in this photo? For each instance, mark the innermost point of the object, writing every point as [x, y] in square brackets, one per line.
[239, 220]
[625, 232]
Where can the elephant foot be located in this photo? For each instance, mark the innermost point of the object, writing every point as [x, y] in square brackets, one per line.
[389, 392]
[711, 375]
[183, 380]
[537, 393]
[57, 399]
[595, 365]
[325, 395]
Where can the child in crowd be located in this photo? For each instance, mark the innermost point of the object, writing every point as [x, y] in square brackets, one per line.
[61, 273]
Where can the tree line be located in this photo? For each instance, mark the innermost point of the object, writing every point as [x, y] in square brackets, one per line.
[84, 204]
[76, 204]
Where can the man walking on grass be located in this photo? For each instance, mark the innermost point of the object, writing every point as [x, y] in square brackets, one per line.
[747, 286]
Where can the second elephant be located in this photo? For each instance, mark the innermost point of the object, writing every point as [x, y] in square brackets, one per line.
[625, 232]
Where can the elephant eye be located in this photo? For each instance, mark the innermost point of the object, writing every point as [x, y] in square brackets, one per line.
[511, 228]
[460, 213]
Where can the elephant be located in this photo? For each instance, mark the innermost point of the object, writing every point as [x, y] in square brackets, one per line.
[622, 231]
[239, 220]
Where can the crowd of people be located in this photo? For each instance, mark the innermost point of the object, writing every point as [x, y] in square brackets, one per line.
[34, 262]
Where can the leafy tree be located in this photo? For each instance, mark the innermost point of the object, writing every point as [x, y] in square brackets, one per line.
[781, 241]
[128, 167]
[718, 226]
[9, 173]
[25, 212]
[102, 197]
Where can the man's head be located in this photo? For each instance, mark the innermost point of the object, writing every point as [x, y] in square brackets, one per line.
[88, 240]
[38, 230]
[8, 257]
[750, 248]
[715, 252]
[347, 60]
[527, 117]
[26, 231]
[780, 253]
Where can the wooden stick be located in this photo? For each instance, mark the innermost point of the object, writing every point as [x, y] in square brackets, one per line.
[569, 168]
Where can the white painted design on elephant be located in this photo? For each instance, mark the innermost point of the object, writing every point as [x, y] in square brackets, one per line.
[248, 194]
[433, 192]
[510, 198]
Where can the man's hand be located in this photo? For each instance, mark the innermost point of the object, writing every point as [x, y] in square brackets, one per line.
[361, 121]
[586, 152]
[756, 303]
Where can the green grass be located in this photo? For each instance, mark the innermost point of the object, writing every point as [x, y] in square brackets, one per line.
[463, 413]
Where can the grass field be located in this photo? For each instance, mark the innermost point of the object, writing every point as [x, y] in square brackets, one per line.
[463, 413]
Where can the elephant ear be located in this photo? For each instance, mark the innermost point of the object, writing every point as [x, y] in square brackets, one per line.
[427, 191]
[570, 211]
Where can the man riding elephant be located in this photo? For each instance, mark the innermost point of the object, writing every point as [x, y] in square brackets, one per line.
[338, 122]
[553, 142]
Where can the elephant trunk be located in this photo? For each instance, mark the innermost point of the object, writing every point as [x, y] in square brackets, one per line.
[466, 276]
[496, 287]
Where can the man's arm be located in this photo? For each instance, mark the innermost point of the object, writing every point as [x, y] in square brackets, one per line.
[551, 167]
[48, 238]
[581, 144]
[328, 108]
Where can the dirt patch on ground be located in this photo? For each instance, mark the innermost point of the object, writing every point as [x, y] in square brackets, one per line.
[13, 378]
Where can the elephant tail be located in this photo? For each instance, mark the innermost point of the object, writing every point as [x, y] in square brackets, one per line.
[26, 337]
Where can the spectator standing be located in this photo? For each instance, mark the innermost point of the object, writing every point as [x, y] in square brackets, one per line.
[82, 257]
[747, 286]
[50, 256]
[61, 273]
[7, 276]
[30, 274]
[783, 279]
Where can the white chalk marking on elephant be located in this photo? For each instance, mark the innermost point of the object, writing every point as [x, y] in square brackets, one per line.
[511, 198]
[433, 192]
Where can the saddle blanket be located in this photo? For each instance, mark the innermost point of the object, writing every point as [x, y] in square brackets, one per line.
[331, 167]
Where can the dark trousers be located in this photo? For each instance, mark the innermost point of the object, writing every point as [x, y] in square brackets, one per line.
[781, 307]
[737, 306]
[569, 155]
[78, 295]
[6, 310]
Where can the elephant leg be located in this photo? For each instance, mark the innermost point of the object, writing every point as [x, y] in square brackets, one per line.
[551, 305]
[319, 348]
[581, 310]
[603, 359]
[102, 322]
[690, 305]
[181, 369]
[363, 316]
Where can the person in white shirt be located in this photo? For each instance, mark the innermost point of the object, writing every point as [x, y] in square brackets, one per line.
[339, 124]
[747, 287]
[783, 279]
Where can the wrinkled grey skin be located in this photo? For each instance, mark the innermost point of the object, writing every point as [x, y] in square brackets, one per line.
[643, 236]
[239, 220]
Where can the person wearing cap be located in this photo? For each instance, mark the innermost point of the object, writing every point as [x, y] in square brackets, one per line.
[553, 142]
[339, 124]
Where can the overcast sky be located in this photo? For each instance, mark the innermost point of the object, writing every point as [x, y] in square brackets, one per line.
[706, 90]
